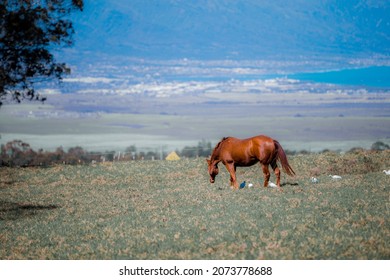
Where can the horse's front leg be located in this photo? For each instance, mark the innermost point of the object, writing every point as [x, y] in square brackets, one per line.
[277, 174]
[232, 171]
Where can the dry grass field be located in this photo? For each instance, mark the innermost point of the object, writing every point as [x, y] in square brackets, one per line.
[169, 210]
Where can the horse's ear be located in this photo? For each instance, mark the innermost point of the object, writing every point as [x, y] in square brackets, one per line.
[208, 161]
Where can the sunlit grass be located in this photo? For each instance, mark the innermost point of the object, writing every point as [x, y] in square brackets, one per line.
[169, 210]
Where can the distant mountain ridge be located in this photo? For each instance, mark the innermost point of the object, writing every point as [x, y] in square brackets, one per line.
[242, 29]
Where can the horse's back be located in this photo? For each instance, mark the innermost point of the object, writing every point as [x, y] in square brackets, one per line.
[260, 141]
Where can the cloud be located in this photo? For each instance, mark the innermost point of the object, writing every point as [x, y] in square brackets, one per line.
[89, 80]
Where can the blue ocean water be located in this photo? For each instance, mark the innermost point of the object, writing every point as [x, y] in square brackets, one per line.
[376, 76]
[370, 77]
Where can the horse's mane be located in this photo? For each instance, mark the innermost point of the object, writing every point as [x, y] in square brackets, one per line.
[218, 146]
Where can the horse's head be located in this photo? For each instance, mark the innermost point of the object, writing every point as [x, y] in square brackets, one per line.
[213, 169]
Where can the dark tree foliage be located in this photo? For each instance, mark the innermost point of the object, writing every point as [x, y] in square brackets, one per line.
[379, 146]
[29, 31]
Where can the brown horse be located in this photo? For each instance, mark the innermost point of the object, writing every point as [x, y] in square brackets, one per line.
[234, 152]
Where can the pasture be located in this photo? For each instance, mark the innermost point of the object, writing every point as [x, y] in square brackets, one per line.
[169, 210]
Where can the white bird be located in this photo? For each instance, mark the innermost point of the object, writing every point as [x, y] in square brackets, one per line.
[314, 180]
[335, 177]
[272, 185]
[387, 172]
[250, 185]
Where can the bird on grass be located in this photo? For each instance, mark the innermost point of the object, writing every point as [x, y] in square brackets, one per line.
[387, 172]
[250, 185]
[272, 185]
[242, 185]
[335, 177]
[314, 180]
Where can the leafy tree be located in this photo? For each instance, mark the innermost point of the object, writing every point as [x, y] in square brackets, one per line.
[204, 148]
[379, 146]
[17, 153]
[29, 31]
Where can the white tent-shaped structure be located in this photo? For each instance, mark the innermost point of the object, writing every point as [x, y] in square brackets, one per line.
[172, 156]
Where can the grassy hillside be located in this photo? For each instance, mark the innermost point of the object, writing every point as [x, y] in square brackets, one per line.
[169, 210]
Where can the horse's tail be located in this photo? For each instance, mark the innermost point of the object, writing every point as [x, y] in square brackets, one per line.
[283, 159]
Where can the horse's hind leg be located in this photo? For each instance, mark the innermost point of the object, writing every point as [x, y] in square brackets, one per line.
[266, 174]
[277, 173]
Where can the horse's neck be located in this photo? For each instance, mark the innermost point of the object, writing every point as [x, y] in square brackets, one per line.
[215, 158]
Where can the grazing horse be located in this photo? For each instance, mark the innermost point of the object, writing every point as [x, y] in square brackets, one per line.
[233, 152]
